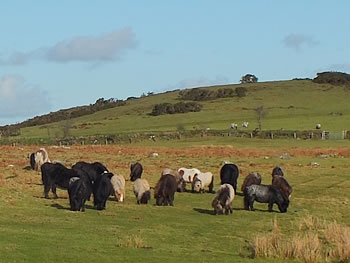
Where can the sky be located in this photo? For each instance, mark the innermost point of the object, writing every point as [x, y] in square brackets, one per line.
[61, 54]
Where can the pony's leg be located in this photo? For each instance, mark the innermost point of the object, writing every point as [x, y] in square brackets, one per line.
[171, 200]
[246, 203]
[166, 201]
[226, 210]
[46, 191]
[211, 186]
[83, 205]
[53, 189]
[270, 206]
[251, 204]
[230, 208]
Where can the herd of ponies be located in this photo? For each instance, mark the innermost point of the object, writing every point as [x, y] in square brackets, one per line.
[84, 179]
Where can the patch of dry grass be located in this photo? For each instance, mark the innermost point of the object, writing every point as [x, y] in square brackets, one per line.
[315, 241]
[131, 241]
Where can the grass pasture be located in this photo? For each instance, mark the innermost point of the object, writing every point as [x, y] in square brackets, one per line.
[34, 229]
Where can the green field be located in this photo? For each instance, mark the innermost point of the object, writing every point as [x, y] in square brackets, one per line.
[34, 229]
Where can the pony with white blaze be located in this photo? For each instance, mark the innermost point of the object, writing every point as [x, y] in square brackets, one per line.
[118, 183]
[188, 173]
[202, 180]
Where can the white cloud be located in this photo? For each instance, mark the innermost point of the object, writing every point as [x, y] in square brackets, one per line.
[297, 41]
[106, 47]
[19, 100]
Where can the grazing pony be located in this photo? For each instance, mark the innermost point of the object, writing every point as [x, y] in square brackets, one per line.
[202, 180]
[118, 183]
[38, 158]
[181, 184]
[252, 178]
[142, 191]
[223, 199]
[188, 173]
[79, 190]
[136, 170]
[229, 175]
[56, 174]
[165, 189]
[282, 183]
[102, 189]
[270, 194]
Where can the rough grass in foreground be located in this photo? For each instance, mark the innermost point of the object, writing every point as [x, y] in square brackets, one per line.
[319, 241]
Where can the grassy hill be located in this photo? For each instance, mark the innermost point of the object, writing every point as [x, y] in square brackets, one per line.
[290, 105]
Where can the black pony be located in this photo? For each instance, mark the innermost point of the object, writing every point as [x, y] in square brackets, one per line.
[277, 171]
[229, 175]
[136, 170]
[79, 191]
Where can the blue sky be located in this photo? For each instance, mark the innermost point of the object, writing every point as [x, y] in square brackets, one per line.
[61, 54]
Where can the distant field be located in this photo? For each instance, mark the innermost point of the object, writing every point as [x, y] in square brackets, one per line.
[290, 105]
[34, 229]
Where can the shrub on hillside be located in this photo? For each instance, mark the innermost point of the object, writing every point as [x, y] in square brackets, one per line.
[202, 94]
[333, 78]
[241, 91]
[180, 107]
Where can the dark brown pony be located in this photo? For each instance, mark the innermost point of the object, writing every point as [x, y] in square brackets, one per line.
[165, 189]
[282, 183]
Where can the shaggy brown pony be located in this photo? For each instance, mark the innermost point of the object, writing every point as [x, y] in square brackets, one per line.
[282, 183]
[165, 189]
[252, 178]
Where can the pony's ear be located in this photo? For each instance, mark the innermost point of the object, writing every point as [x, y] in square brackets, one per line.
[181, 172]
[194, 177]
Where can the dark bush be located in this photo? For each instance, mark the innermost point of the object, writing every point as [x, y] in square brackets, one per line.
[180, 107]
[333, 78]
[241, 91]
[202, 94]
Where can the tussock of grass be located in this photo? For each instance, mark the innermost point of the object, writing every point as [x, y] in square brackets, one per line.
[319, 241]
[132, 241]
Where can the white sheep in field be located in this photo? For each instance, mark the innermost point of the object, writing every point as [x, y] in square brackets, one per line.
[118, 182]
[142, 191]
[202, 180]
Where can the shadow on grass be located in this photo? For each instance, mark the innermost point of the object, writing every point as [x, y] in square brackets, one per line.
[61, 207]
[211, 211]
[58, 206]
[28, 168]
[204, 211]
